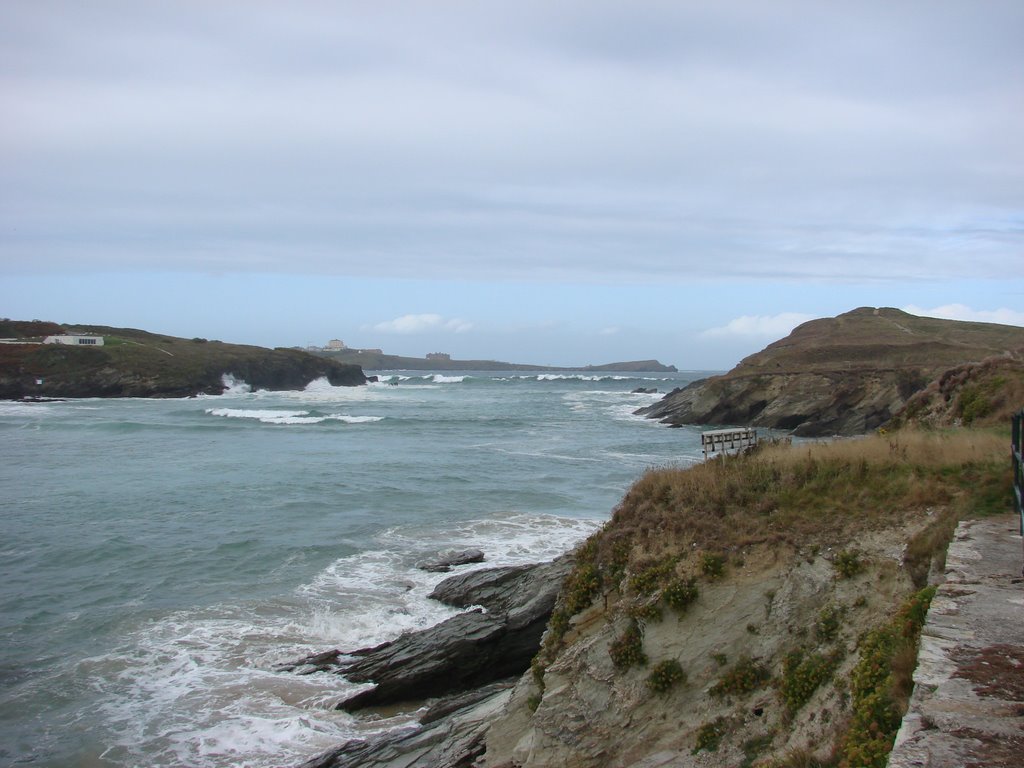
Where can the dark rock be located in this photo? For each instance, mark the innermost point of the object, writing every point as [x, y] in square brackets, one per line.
[645, 391]
[318, 662]
[466, 651]
[451, 736]
[445, 562]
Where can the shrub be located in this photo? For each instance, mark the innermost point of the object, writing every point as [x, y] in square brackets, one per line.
[647, 580]
[709, 735]
[645, 612]
[665, 675]
[627, 649]
[746, 675]
[680, 593]
[826, 628]
[802, 674]
[582, 586]
[712, 565]
[880, 682]
[848, 563]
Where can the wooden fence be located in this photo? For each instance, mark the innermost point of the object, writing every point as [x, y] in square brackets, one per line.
[719, 442]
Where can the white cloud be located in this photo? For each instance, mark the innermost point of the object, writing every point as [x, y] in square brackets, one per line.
[769, 326]
[963, 312]
[422, 324]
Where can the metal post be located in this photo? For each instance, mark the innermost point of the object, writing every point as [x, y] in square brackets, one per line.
[1018, 466]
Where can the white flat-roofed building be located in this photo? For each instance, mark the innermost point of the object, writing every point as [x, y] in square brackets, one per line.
[75, 340]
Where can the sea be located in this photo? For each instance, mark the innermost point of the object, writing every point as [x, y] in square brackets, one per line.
[160, 559]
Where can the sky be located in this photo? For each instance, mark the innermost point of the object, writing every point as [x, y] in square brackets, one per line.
[571, 182]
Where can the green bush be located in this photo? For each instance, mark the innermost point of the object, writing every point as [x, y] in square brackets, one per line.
[582, 586]
[709, 735]
[680, 593]
[826, 628]
[802, 674]
[848, 563]
[746, 675]
[645, 612]
[879, 681]
[647, 580]
[665, 675]
[712, 565]
[627, 649]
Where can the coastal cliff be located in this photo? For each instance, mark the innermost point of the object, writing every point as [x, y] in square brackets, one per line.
[844, 375]
[134, 363]
[758, 611]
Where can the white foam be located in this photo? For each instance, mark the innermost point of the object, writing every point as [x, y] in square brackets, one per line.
[437, 378]
[199, 687]
[233, 386]
[289, 417]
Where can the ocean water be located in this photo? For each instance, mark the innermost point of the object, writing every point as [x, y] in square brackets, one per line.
[160, 558]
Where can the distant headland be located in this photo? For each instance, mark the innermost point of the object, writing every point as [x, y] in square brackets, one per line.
[376, 360]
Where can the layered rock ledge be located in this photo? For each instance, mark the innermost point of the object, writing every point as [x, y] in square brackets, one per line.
[468, 662]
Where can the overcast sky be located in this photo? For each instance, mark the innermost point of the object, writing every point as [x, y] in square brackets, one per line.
[548, 182]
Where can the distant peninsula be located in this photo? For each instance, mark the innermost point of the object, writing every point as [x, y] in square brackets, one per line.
[100, 361]
[374, 360]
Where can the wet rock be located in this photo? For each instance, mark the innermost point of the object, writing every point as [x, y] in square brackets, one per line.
[452, 735]
[493, 642]
[446, 562]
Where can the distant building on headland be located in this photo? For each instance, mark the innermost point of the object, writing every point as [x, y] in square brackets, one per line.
[75, 340]
[335, 345]
[438, 356]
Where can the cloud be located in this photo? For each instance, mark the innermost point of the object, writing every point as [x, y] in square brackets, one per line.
[609, 331]
[408, 324]
[769, 326]
[1002, 315]
[587, 141]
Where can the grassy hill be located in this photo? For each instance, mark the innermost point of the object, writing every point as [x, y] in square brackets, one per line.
[843, 375]
[135, 363]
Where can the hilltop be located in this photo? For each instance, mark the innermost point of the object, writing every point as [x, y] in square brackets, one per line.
[843, 375]
[135, 363]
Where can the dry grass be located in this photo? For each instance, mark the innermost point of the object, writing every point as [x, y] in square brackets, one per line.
[820, 493]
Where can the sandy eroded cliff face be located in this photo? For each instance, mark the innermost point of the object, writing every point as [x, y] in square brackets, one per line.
[735, 706]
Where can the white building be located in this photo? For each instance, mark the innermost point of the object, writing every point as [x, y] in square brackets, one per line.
[335, 344]
[76, 340]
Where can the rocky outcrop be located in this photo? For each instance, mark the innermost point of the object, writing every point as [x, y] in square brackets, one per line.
[837, 376]
[495, 641]
[446, 562]
[450, 735]
[809, 404]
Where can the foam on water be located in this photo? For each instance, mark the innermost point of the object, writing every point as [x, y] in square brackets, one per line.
[289, 417]
[200, 687]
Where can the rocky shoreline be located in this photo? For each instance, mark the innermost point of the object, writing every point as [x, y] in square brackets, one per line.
[462, 670]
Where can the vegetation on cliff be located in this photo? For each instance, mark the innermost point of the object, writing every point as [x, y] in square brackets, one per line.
[806, 553]
[134, 363]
